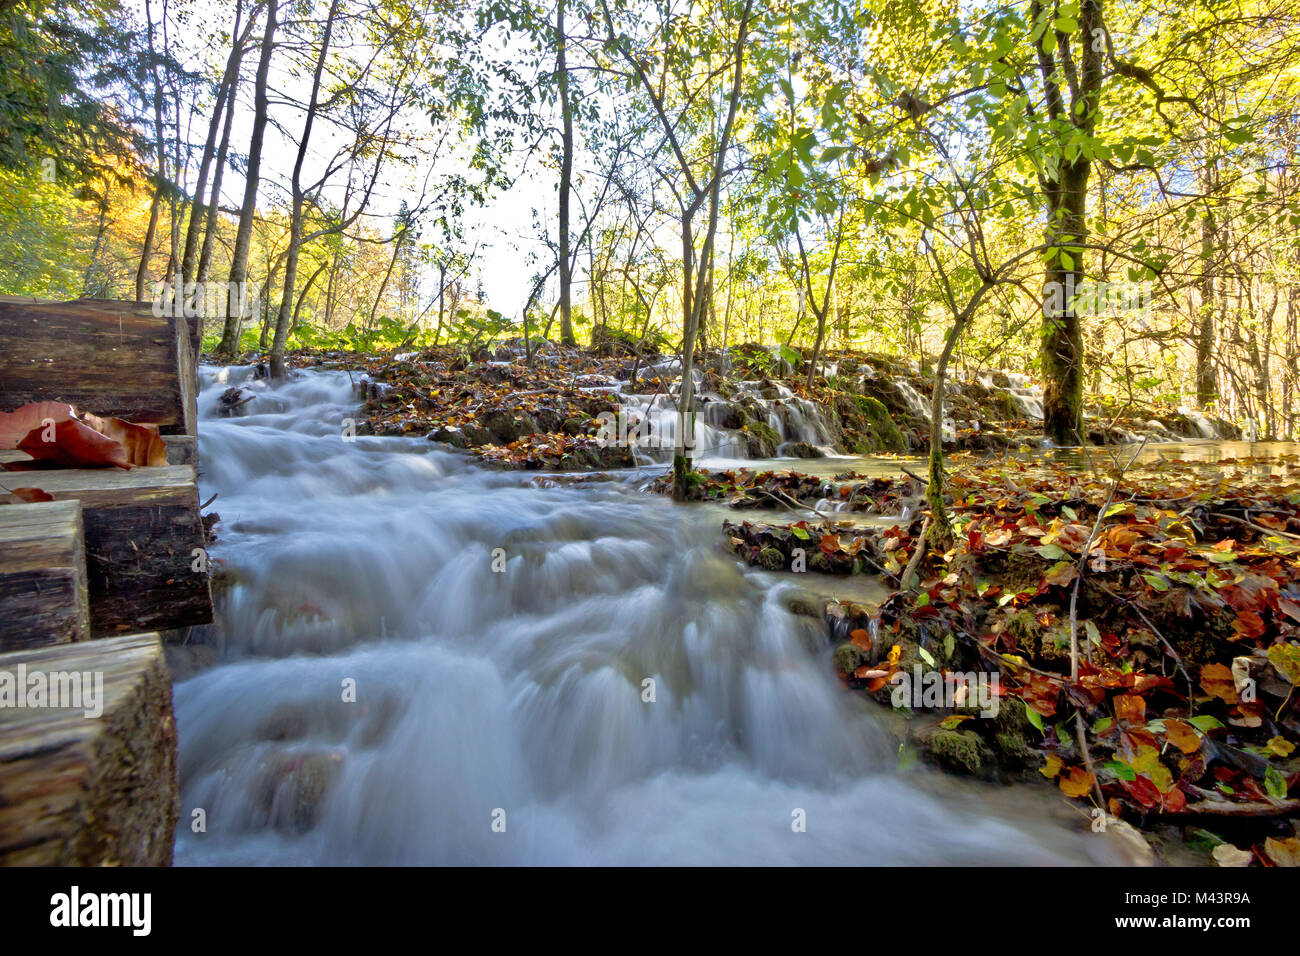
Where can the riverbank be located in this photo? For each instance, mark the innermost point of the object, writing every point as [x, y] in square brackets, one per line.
[549, 410]
[1171, 593]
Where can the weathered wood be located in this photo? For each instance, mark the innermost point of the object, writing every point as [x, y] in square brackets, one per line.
[89, 791]
[181, 450]
[43, 594]
[102, 356]
[141, 529]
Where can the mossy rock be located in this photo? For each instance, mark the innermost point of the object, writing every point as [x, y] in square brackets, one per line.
[849, 657]
[760, 439]
[771, 559]
[1014, 736]
[958, 751]
[884, 430]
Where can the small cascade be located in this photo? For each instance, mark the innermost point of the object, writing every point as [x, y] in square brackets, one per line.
[1204, 427]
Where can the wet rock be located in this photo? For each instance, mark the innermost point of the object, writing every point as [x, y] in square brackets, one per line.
[803, 449]
[291, 788]
[958, 751]
[849, 657]
[449, 436]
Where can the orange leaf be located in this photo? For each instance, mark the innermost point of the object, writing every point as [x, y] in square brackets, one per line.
[860, 638]
[16, 425]
[1216, 680]
[1182, 735]
[143, 444]
[75, 445]
[1076, 783]
[32, 494]
[1130, 707]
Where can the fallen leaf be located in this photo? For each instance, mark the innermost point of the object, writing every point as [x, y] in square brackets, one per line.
[1283, 852]
[1216, 680]
[1225, 854]
[75, 445]
[1076, 783]
[1183, 736]
[16, 425]
[143, 444]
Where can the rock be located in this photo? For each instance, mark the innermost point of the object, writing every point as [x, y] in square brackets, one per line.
[449, 436]
[960, 751]
[803, 449]
[849, 657]
[771, 559]
[508, 426]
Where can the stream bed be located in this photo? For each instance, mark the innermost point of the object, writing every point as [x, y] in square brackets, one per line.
[421, 661]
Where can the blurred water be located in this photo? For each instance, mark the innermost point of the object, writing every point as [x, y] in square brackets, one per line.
[480, 692]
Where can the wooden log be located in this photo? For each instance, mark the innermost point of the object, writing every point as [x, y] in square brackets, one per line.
[102, 356]
[43, 592]
[141, 529]
[181, 450]
[78, 790]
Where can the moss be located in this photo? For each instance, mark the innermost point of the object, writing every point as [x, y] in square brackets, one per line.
[1023, 626]
[761, 440]
[961, 751]
[771, 559]
[885, 433]
[1013, 734]
[849, 657]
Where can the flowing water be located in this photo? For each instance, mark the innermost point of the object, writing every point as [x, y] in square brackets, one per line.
[516, 696]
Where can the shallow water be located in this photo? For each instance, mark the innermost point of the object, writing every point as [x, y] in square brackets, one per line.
[517, 695]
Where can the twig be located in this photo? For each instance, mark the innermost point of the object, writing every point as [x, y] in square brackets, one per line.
[915, 560]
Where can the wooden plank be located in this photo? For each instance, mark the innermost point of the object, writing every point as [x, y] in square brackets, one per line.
[141, 529]
[78, 790]
[43, 589]
[181, 450]
[103, 356]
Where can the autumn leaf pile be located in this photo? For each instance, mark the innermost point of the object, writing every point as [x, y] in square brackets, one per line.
[505, 412]
[1186, 591]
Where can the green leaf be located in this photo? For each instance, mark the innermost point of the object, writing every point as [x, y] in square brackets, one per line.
[1051, 552]
[1275, 783]
[1120, 769]
[1034, 717]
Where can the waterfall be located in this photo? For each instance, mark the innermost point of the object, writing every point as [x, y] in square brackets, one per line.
[417, 660]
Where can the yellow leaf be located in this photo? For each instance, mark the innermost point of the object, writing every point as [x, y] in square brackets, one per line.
[1053, 766]
[1076, 783]
[1283, 852]
[1281, 746]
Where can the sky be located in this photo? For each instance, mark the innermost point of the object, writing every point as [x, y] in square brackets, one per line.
[503, 227]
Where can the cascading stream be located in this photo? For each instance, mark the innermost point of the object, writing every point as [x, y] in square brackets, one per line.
[479, 691]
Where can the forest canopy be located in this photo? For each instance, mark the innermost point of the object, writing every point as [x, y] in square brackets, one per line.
[1103, 198]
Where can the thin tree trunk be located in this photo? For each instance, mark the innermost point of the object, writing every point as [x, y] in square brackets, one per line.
[566, 178]
[237, 301]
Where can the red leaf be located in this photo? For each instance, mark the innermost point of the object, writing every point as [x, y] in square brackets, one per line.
[75, 445]
[32, 494]
[15, 425]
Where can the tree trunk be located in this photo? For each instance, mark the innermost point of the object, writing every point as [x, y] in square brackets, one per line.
[1062, 334]
[189, 259]
[566, 179]
[237, 302]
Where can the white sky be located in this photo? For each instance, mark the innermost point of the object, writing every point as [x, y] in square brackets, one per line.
[504, 228]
